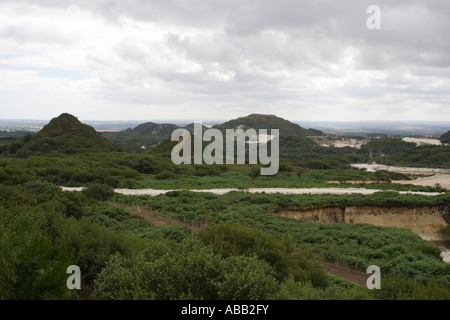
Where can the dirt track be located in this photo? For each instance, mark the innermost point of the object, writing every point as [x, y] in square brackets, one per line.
[153, 192]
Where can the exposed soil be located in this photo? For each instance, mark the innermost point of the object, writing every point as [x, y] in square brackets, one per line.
[153, 192]
[344, 271]
[436, 176]
[152, 216]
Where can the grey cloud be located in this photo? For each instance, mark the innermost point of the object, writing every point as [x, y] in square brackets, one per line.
[287, 52]
[180, 45]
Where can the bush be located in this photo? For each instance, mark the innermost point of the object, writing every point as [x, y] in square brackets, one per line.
[400, 287]
[126, 183]
[32, 265]
[172, 232]
[280, 253]
[207, 170]
[291, 290]
[445, 232]
[164, 175]
[246, 278]
[168, 270]
[90, 242]
[428, 248]
[99, 191]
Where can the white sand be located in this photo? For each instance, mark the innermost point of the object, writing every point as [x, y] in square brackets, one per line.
[155, 192]
[423, 141]
[446, 256]
[439, 176]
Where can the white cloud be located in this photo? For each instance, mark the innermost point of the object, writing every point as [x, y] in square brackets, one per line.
[303, 60]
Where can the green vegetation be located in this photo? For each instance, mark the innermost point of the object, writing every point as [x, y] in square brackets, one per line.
[187, 245]
[65, 134]
[32, 265]
[425, 156]
[147, 134]
[360, 245]
[445, 138]
[236, 240]
[386, 146]
[445, 232]
[263, 121]
[291, 175]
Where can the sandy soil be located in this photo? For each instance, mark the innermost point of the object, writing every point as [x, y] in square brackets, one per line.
[437, 176]
[409, 170]
[423, 141]
[446, 256]
[353, 143]
[346, 272]
[153, 192]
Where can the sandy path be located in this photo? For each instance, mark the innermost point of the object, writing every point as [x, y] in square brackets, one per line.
[154, 192]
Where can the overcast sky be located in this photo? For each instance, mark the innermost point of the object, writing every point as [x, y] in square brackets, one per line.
[221, 59]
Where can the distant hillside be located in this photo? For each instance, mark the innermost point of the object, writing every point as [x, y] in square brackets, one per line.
[295, 142]
[190, 127]
[151, 134]
[445, 138]
[291, 147]
[263, 121]
[146, 134]
[153, 129]
[66, 134]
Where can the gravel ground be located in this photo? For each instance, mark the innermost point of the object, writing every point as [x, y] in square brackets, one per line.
[437, 176]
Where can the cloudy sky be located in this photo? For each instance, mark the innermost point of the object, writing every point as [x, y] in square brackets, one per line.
[220, 59]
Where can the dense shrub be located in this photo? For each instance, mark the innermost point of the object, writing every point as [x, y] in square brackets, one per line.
[163, 175]
[168, 269]
[32, 265]
[281, 253]
[98, 191]
[401, 287]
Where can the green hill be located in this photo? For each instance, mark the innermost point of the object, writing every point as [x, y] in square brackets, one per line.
[264, 121]
[146, 134]
[154, 128]
[292, 146]
[445, 138]
[66, 134]
[150, 134]
[190, 127]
